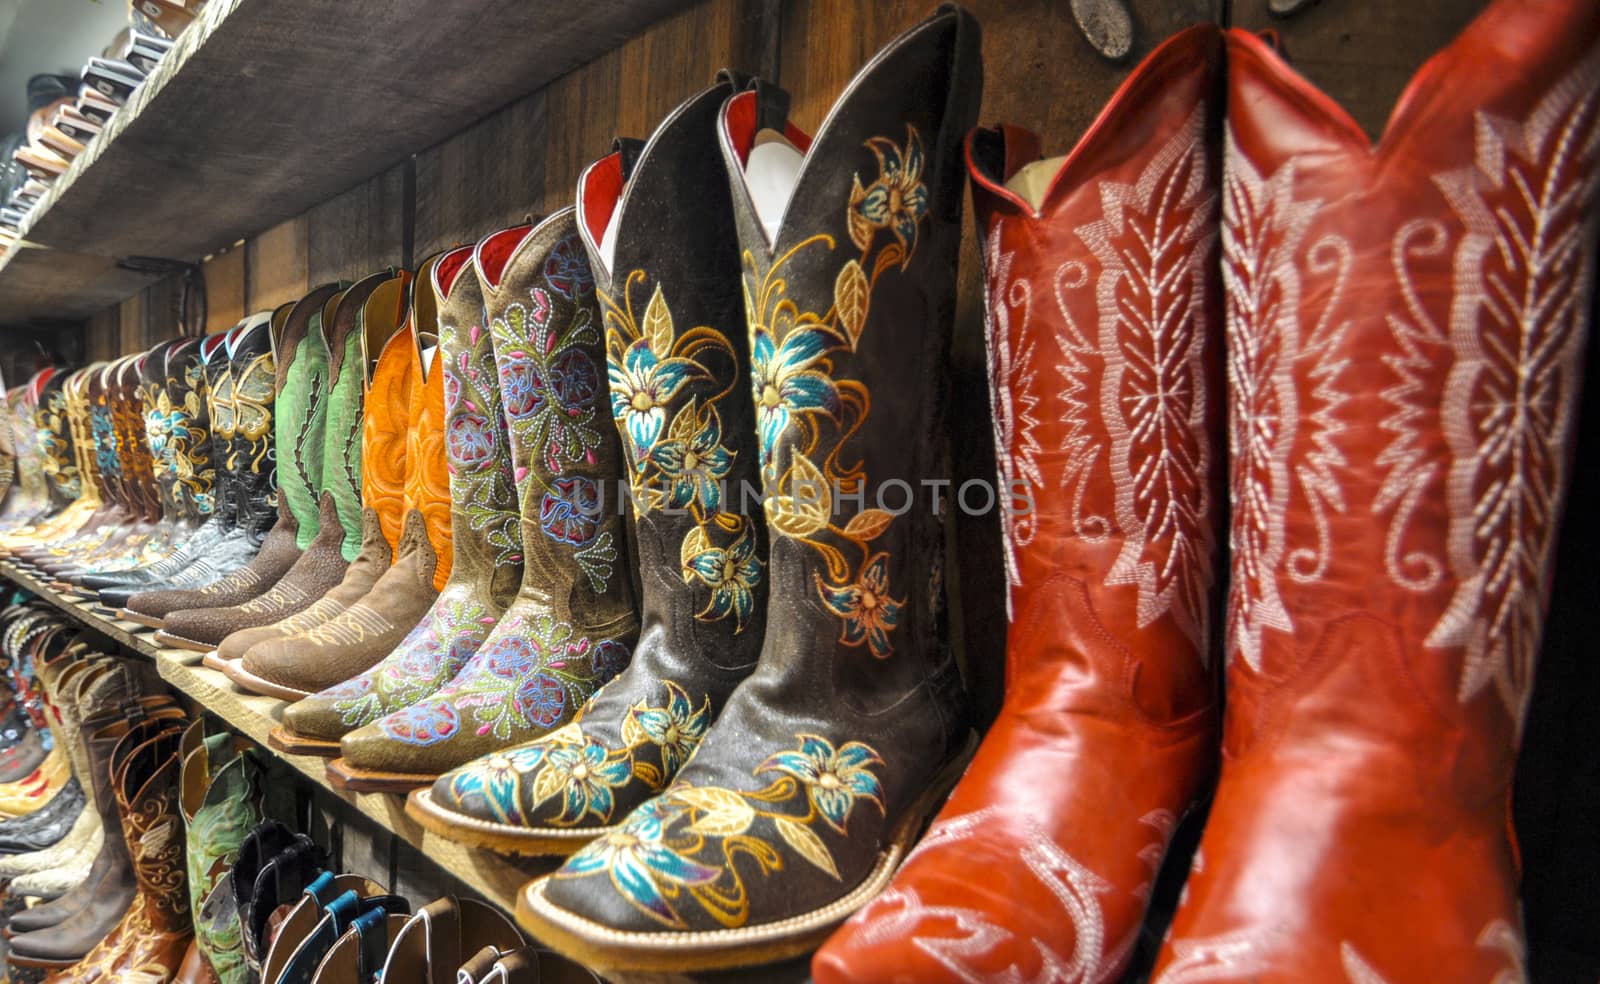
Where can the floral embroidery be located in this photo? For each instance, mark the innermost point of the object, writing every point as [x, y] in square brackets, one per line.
[579, 772]
[428, 657]
[799, 400]
[425, 723]
[731, 573]
[897, 200]
[682, 465]
[684, 842]
[529, 675]
[105, 441]
[675, 729]
[567, 270]
[548, 381]
[476, 443]
[570, 511]
[868, 612]
[647, 868]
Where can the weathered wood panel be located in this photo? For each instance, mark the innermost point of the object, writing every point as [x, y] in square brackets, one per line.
[276, 264]
[358, 232]
[485, 178]
[225, 290]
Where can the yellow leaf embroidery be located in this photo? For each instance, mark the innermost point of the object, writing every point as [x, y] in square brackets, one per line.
[868, 524]
[695, 543]
[658, 325]
[851, 294]
[808, 505]
[805, 841]
[718, 812]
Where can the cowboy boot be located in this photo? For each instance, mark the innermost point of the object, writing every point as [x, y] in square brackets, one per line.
[1107, 254]
[142, 539]
[486, 566]
[221, 805]
[1400, 459]
[367, 316]
[679, 359]
[220, 544]
[827, 761]
[301, 417]
[245, 409]
[361, 635]
[572, 625]
[35, 507]
[47, 447]
[91, 921]
[155, 934]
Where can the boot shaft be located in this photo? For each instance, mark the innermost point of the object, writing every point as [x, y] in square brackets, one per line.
[55, 441]
[300, 412]
[252, 397]
[1406, 326]
[486, 538]
[427, 464]
[133, 443]
[185, 403]
[78, 415]
[341, 461]
[1104, 326]
[850, 300]
[147, 790]
[678, 355]
[387, 404]
[545, 325]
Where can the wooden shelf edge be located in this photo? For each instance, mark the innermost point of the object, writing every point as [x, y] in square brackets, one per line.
[497, 878]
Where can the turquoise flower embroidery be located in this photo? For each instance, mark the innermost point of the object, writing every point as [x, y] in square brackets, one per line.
[578, 769]
[732, 574]
[834, 778]
[643, 867]
[785, 384]
[494, 778]
[693, 459]
[676, 729]
[642, 384]
[868, 613]
[897, 200]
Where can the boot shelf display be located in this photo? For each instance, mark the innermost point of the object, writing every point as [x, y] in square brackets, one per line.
[496, 877]
[207, 175]
[554, 546]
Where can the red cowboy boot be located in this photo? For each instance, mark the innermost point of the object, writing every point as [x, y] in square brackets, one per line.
[1406, 325]
[1105, 331]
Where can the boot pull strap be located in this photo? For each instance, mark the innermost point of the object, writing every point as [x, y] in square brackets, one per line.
[772, 105]
[628, 150]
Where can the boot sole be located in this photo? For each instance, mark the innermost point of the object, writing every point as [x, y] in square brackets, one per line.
[534, 841]
[213, 661]
[41, 963]
[290, 743]
[149, 621]
[342, 775]
[245, 680]
[179, 642]
[608, 950]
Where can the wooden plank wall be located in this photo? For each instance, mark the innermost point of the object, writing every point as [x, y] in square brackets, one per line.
[523, 160]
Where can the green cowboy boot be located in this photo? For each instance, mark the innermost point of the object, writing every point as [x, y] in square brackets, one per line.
[221, 804]
[679, 356]
[572, 625]
[488, 550]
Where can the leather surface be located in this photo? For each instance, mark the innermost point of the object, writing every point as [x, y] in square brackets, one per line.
[55, 441]
[1108, 731]
[678, 354]
[387, 406]
[487, 555]
[301, 412]
[359, 577]
[220, 801]
[427, 461]
[341, 460]
[574, 607]
[44, 826]
[1405, 360]
[854, 708]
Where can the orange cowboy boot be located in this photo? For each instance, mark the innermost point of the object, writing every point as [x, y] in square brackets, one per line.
[1105, 332]
[1405, 339]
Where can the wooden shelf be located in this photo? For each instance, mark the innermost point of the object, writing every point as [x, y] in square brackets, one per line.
[41, 284]
[496, 877]
[265, 108]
